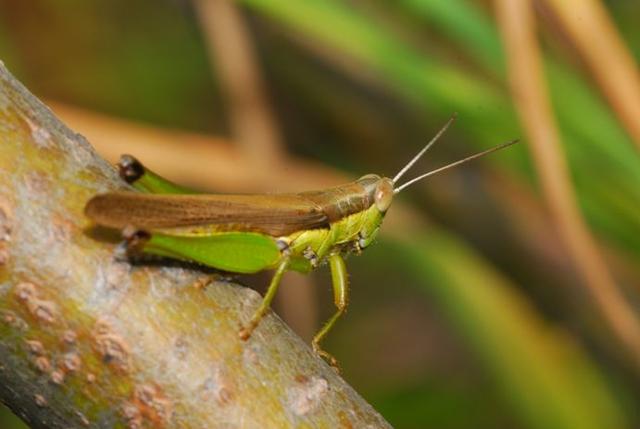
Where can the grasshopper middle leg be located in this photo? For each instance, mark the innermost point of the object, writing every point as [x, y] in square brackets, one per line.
[246, 331]
[340, 282]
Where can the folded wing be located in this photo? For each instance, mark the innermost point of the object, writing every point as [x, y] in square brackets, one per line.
[276, 215]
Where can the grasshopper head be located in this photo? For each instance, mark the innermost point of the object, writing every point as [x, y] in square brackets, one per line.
[383, 195]
[379, 189]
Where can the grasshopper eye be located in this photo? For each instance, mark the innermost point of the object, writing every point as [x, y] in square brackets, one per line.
[384, 194]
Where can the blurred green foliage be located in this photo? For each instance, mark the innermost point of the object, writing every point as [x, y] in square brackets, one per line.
[10, 421]
[514, 341]
[483, 105]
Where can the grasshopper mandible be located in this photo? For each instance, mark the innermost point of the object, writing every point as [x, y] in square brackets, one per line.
[252, 233]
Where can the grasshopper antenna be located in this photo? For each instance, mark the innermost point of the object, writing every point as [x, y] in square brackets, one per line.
[424, 149]
[453, 164]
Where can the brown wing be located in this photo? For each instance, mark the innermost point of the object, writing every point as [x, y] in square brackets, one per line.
[278, 214]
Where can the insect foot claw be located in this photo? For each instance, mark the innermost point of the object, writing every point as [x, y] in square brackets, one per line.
[121, 252]
[245, 332]
[134, 239]
[203, 282]
[327, 357]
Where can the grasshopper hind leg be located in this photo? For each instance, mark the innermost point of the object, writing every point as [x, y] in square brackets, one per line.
[143, 179]
[340, 282]
[130, 169]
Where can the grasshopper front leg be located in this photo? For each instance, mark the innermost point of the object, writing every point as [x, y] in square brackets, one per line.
[340, 280]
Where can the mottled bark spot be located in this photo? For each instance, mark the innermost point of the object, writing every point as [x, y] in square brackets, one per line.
[5, 231]
[43, 310]
[43, 364]
[57, 377]
[112, 347]
[69, 337]
[306, 395]
[219, 387]
[148, 405]
[83, 419]
[71, 362]
[40, 400]
[35, 347]
[40, 135]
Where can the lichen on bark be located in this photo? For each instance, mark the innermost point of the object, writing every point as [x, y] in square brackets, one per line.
[87, 340]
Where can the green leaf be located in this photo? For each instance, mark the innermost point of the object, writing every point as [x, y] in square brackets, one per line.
[543, 373]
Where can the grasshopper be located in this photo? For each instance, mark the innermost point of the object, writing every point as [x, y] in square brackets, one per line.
[251, 233]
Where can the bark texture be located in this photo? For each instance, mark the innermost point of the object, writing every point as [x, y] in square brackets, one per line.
[90, 341]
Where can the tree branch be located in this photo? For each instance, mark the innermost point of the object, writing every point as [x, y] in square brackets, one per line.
[88, 341]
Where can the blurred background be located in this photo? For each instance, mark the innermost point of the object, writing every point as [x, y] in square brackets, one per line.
[502, 294]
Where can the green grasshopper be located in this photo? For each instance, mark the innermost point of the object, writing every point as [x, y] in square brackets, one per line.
[252, 233]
